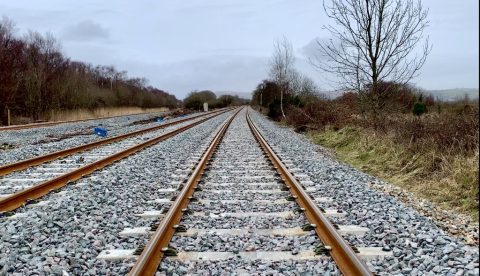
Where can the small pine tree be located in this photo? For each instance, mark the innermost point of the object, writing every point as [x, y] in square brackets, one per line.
[419, 107]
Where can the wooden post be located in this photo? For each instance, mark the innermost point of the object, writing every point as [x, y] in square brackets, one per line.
[8, 116]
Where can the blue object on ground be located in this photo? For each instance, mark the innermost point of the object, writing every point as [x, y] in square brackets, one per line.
[159, 119]
[100, 131]
[183, 115]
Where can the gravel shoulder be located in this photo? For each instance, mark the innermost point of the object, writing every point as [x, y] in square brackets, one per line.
[419, 246]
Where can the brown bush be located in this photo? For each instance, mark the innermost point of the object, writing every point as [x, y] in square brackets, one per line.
[317, 114]
[448, 133]
[348, 100]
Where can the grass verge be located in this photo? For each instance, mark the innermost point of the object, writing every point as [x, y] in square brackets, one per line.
[449, 181]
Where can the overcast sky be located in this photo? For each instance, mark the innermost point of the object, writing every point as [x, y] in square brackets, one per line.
[225, 45]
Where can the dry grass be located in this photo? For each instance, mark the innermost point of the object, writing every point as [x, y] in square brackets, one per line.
[448, 180]
[81, 114]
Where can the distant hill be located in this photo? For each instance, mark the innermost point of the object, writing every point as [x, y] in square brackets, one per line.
[453, 94]
[443, 94]
[242, 95]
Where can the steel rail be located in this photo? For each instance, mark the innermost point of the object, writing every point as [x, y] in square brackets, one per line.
[23, 164]
[46, 124]
[343, 255]
[148, 262]
[19, 198]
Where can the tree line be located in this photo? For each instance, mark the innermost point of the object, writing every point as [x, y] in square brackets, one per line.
[35, 77]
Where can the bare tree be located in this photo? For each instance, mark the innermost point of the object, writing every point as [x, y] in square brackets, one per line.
[281, 67]
[110, 72]
[308, 88]
[374, 41]
[45, 68]
[11, 65]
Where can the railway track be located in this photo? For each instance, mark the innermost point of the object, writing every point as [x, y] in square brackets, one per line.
[242, 205]
[27, 180]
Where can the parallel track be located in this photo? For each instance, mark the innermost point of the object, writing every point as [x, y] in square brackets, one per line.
[47, 124]
[23, 164]
[344, 256]
[37, 190]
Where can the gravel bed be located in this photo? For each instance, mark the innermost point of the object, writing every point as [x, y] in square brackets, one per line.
[237, 149]
[245, 206]
[245, 194]
[29, 143]
[228, 222]
[68, 234]
[419, 246]
[247, 242]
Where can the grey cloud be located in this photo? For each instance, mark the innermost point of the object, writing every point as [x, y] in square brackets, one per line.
[310, 49]
[231, 51]
[105, 11]
[234, 11]
[86, 31]
[309, 59]
[211, 7]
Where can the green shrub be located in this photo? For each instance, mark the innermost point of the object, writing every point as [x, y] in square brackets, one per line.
[419, 108]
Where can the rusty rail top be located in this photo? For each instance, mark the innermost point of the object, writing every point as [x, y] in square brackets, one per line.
[148, 262]
[23, 164]
[344, 256]
[38, 190]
